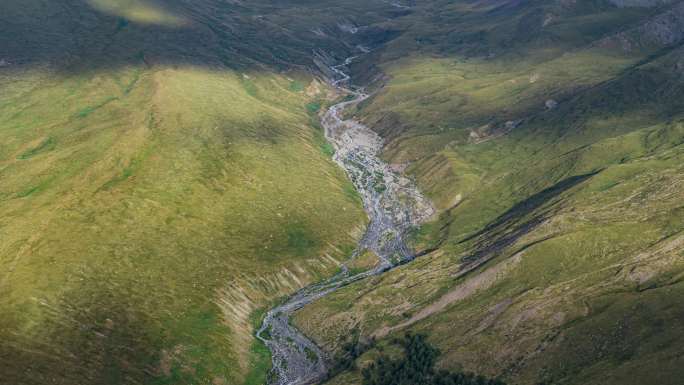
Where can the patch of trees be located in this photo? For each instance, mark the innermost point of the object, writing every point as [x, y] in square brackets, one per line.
[351, 349]
[416, 367]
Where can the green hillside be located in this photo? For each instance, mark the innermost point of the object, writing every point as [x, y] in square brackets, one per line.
[158, 188]
[555, 155]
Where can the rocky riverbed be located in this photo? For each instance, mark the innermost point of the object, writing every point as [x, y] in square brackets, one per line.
[394, 206]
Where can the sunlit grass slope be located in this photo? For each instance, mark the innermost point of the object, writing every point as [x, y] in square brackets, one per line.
[131, 199]
[140, 11]
[556, 161]
[158, 188]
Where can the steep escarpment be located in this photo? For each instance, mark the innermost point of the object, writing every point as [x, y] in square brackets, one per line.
[664, 29]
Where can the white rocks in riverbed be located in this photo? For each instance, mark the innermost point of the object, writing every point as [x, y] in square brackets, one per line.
[512, 124]
[398, 167]
[318, 32]
[404, 181]
[348, 27]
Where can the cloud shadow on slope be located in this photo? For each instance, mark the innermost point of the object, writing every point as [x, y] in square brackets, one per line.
[73, 36]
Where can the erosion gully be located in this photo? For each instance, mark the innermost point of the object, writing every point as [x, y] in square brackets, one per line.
[394, 206]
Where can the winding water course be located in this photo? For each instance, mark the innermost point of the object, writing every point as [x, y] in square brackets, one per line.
[394, 206]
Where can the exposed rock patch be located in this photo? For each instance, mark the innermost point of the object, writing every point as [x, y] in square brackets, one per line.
[664, 29]
[551, 104]
[640, 3]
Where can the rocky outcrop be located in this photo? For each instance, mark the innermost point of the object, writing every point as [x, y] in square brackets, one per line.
[640, 3]
[493, 130]
[662, 30]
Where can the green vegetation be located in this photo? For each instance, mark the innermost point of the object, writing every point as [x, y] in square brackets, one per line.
[260, 356]
[311, 355]
[554, 221]
[366, 260]
[350, 351]
[143, 222]
[161, 180]
[296, 86]
[416, 366]
[313, 107]
[300, 240]
[45, 145]
[90, 109]
[327, 149]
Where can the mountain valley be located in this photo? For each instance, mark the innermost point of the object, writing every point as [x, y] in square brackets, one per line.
[492, 187]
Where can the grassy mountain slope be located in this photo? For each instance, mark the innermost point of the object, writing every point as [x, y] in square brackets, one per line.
[162, 180]
[555, 155]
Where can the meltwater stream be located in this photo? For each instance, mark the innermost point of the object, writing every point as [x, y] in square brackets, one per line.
[394, 206]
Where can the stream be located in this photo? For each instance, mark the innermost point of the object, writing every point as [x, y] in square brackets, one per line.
[394, 206]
